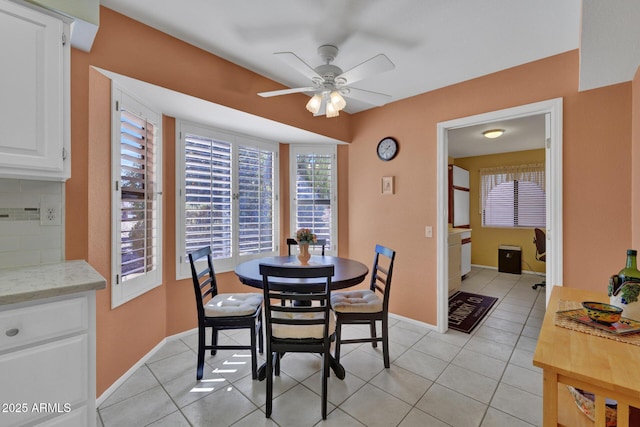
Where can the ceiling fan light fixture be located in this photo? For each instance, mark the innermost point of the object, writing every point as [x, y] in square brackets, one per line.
[332, 110]
[493, 133]
[337, 100]
[314, 103]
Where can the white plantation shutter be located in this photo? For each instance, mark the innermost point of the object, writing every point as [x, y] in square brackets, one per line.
[314, 192]
[208, 195]
[136, 199]
[227, 187]
[256, 197]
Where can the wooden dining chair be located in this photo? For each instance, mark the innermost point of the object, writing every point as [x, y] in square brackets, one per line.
[297, 328]
[294, 242]
[223, 311]
[367, 306]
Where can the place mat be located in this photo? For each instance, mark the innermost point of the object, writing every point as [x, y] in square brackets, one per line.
[568, 323]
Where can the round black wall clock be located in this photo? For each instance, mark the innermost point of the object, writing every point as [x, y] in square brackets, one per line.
[387, 148]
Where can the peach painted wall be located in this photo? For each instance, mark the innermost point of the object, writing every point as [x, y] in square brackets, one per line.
[127, 333]
[596, 162]
[635, 156]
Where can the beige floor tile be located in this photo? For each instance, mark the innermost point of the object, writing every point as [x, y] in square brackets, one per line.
[374, 407]
[495, 418]
[223, 407]
[451, 407]
[469, 383]
[422, 364]
[298, 406]
[480, 363]
[403, 384]
[417, 418]
[518, 403]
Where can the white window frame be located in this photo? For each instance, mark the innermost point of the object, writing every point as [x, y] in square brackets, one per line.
[184, 127]
[325, 149]
[122, 292]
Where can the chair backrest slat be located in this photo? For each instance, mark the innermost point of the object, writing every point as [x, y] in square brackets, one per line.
[381, 274]
[294, 242]
[207, 287]
[300, 315]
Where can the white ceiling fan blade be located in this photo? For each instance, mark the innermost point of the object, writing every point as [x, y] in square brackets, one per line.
[286, 91]
[292, 60]
[376, 65]
[373, 98]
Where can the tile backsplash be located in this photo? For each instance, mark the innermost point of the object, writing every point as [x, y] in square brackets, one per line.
[23, 240]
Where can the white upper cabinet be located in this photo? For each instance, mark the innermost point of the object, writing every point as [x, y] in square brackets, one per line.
[34, 100]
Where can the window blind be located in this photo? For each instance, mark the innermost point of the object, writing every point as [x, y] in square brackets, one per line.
[255, 197]
[313, 193]
[208, 195]
[138, 221]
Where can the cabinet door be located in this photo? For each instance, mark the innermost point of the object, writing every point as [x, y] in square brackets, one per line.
[32, 104]
[460, 207]
[55, 373]
[460, 177]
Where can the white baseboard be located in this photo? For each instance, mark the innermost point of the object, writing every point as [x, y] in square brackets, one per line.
[108, 392]
[413, 321]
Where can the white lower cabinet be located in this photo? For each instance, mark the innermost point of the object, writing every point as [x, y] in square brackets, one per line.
[455, 276]
[47, 362]
[465, 253]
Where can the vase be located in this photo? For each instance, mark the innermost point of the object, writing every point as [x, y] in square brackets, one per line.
[304, 254]
[625, 295]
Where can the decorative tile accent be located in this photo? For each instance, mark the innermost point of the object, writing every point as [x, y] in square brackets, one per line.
[19, 214]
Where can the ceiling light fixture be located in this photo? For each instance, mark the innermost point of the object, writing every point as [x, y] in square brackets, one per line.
[314, 103]
[333, 103]
[493, 133]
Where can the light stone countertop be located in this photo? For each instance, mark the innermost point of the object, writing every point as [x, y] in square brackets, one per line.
[20, 284]
[458, 230]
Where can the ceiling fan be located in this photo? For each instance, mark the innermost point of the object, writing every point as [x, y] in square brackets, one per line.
[330, 84]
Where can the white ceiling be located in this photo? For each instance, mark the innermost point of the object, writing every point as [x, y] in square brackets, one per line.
[433, 43]
[524, 133]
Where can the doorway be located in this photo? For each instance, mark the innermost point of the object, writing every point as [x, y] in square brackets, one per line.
[552, 111]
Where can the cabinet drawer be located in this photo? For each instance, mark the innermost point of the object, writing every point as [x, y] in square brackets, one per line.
[44, 379]
[76, 418]
[40, 322]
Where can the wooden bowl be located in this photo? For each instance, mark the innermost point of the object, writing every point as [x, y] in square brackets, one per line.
[601, 312]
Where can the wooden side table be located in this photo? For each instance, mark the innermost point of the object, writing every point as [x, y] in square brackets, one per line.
[602, 366]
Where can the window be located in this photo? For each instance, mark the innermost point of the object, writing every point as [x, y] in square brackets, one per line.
[314, 192]
[136, 199]
[513, 196]
[226, 196]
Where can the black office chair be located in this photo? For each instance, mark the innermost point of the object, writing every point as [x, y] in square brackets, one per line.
[223, 311]
[296, 327]
[540, 241]
[294, 242]
[366, 306]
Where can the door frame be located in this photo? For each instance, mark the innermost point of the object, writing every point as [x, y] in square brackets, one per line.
[552, 109]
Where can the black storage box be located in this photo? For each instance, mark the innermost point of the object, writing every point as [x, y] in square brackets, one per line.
[509, 259]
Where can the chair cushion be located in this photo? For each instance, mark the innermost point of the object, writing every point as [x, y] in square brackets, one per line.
[225, 305]
[301, 331]
[359, 301]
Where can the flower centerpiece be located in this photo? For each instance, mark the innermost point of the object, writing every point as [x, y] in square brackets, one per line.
[304, 237]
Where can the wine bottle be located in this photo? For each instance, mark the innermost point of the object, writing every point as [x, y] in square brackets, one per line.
[630, 271]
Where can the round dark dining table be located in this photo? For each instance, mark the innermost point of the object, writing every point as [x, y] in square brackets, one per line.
[347, 273]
